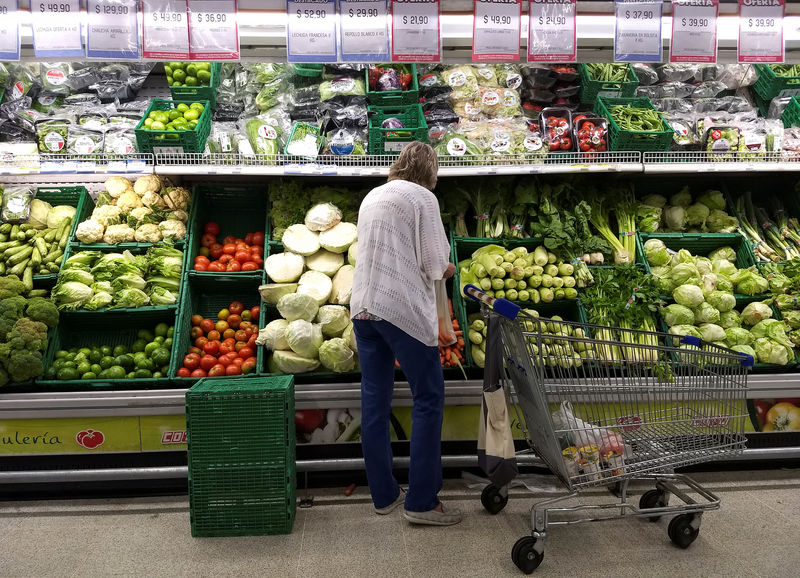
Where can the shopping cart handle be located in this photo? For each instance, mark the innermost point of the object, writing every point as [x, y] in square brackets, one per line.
[691, 340]
[501, 306]
[747, 360]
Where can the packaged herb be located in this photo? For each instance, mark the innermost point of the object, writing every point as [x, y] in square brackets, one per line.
[93, 120]
[84, 141]
[120, 141]
[304, 140]
[223, 138]
[47, 102]
[16, 204]
[83, 99]
[54, 76]
[3, 75]
[52, 135]
[22, 83]
[27, 118]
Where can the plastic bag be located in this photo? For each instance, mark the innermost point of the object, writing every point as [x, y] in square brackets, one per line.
[222, 138]
[52, 135]
[16, 204]
[47, 102]
[647, 74]
[84, 141]
[462, 80]
[345, 141]
[447, 335]
[120, 141]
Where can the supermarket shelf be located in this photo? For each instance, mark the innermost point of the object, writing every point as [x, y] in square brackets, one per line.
[674, 162]
[80, 167]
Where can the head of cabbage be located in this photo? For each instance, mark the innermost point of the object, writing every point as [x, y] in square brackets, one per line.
[335, 355]
[322, 217]
[685, 330]
[749, 282]
[688, 295]
[298, 306]
[770, 351]
[755, 312]
[349, 335]
[706, 313]
[273, 336]
[685, 274]
[721, 301]
[656, 252]
[284, 267]
[746, 349]
[304, 338]
[325, 262]
[298, 239]
[730, 319]
[316, 285]
[334, 319]
[738, 336]
[711, 332]
[338, 239]
[676, 314]
[289, 362]
[726, 252]
[696, 215]
[342, 286]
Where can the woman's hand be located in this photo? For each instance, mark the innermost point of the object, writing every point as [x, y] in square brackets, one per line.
[450, 271]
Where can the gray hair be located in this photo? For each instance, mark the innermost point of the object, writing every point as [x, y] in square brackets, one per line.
[418, 164]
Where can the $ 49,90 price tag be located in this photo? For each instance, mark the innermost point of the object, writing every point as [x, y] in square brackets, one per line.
[415, 31]
[694, 31]
[637, 36]
[311, 30]
[364, 30]
[57, 29]
[112, 29]
[761, 30]
[495, 35]
[213, 30]
[165, 29]
[551, 31]
[9, 29]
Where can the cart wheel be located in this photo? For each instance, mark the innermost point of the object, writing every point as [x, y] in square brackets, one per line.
[681, 531]
[525, 556]
[653, 499]
[493, 501]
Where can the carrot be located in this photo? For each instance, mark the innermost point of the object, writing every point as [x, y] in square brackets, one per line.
[397, 364]
[460, 343]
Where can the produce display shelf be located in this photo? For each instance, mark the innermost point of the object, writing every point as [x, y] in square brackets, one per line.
[139, 163]
[706, 162]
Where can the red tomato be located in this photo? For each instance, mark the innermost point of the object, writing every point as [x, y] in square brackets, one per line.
[196, 332]
[207, 240]
[217, 370]
[200, 342]
[200, 260]
[199, 373]
[196, 350]
[225, 359]
[258, 238]
[236, 307]
[252, 341]
[255, 312]
[233, 370]
[238, 361]
[257, 250]
[207, 362]
[242, 256]
[234, 321]
[191, 361]
[307, 420]
[258, 260]
[225, 258]
[183, 372]
[215, 250]
[211, 348]
[197, 320]
[207, 325]
[201, 267]
[229, 341]
[248, 266]
[234, 266]
[246, 352]
[249, 332]
[228, 239]
[216, 267]
[239, 345]
[213, 335]
[241, 335]
[248, 238]
[242, 246]
[228, 334]
[211, 228]
[225, 348]
[249, 365]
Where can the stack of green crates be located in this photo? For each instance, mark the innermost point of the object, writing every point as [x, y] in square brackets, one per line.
[241, 435]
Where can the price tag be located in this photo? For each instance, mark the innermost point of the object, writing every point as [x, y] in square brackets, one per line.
[694, 31]
[213, 30]
[9, 29]
[165, 30]
[495, 30]
[364, 30]
[416, 35]
[113, 29]
[637, 36]
[761, 30]
[551, 31]
[57, 29]
[311, 30]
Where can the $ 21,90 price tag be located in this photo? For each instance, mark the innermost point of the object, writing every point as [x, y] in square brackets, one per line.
[637, 35]
[495, 34]
[112, 31]
[165, 30]
[694, 31]
[364, 30]
[57, 29]
[415, 31]
[551, 31]
[761, 30]
[213, 30]
[311, 30]
[9, 29]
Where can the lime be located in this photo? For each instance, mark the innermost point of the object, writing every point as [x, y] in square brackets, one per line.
[84, 367]
[157, 375]
[191, 81]
[120, 350]
[151, 347]
[96, 368]
[179, 75]
[60, 354]
[115, 372]
[67, 373]
[85, 351]
[89, 375]
[160, 356]
[58, 363]
[182, 107]
[105, 350]
[138, 345]
[71, 364]
[143, 374]
[161, 330]
[146, 364]
[71, 356]
[107, 362]
[145, 334]
[95, 356]
[158, 126]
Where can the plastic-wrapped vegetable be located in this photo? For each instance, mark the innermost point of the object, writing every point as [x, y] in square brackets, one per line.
[120, 141]
[304, 141]
[16, 204]
[341, 86]
[457, 145]
[462, 80]
[222, 138]
[82, 141]
[345, 142]
[53, 135]
[392, 122]
[270, 95]
[47, 102]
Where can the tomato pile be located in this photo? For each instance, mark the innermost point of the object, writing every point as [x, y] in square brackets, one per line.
[231, 254]
[225, 347]
[591, 134]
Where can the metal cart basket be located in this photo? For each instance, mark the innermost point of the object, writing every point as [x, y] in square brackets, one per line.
[605, 406]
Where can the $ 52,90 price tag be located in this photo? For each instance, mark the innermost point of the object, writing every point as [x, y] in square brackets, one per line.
[551, 31]
[694, 31]
[213, 30]
[112, 29]
[415, 31]
[364, 30]
[165, 30]
[761, 30]
[57, 29]
[311, 31]
[495, 35]
[637, 36]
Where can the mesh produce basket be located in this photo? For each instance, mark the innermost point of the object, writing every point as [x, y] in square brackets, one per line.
[629, 140]
[189, 141]
[769, 85]
[383, 141]
[591, 89]
[200, 93]
[394, 98]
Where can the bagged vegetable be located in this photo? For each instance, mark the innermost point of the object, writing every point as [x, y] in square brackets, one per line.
[462, 80]
[341, 86]
[120, 141]
[82, 141]
[456, 145]
[16, 204]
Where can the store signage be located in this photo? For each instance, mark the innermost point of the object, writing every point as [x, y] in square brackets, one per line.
[311, 30]
[77, 435]
[551, 31]
[112, 30]
[761, 30]
[165, 30]
[364, 30]
[495, 30]
[163, 432]
[57, 29]
[9, 29]
[694, 31]
[416, 35]
[637, 34]
[213, 30]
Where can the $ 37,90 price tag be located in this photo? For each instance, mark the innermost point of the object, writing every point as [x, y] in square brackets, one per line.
[311, 31]
[364, 30]
[495, 35]
[213, 30]
[415, 31]
[165, 30]
[57, 29]
[9, 30]
[637, 36]
[694, 31]
[761, 30]
[551, 31]
[112, 29]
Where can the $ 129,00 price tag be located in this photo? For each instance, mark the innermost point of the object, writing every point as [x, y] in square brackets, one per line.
[213, 30]
[761, 30]
[165, 30]
[495, 34]
[694, 31]
[415, 31]
[637, 36]
[551, 31]
[112, 30]
[57, 29]
[311, 30]
[9, 29]
[364, 30]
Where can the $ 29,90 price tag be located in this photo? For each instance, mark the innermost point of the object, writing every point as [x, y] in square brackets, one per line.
[57, 29]
[551, 31]
[112, 31]
[213, 30]
[165, 29]
[761, 30]
[311, 30]
[415, 31]
[364, 30]
[637, 36]
[495, 35]
[694, 31]
[9, 29]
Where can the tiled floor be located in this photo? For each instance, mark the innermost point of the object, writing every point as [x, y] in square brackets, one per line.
[755, 534]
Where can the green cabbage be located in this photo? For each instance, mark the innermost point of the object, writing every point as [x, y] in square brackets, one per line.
[304, 338]
[721, 301]
[685, 330]
[290, 363]
[648, 218]
[746, 349]
[656, 252]
[675, 218]
[749, 282]
[654, 200]
[682, 198]
[755, 312]
[334, 320]
[298, 306]
[792, 318]
[316, 285]
[726, 253]
[685, 274]
[696, 215]
[711, 332]
[773, 329]
[335, 355]
[730, 319]
[738, 336]
[677, 315]
[688, 295]
[769, 351]
[712, 200]
[721, 222]
[273, 336]
[706, 313]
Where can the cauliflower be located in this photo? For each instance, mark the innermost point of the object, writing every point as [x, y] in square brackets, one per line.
[107, 215]
[90, 231]
[142, 215]
[177, 198]
[153, 200]
[148, 233]
[129, 201]
[147, 183]
[119, 234]
[172, 229]
[115, 186]
[179, 215]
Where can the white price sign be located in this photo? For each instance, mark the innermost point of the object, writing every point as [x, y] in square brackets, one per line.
[9, 30]
[551, 31]
[364, 30]
[495, 34]
[761, 30]
[113, 29]
[415, 31]
[165, 30]
[637, 35]
[213, 30]
[311, 30]
[57, 29]
[694, 31]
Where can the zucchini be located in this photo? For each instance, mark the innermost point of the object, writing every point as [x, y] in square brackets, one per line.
[3, 238]
[27, 278]
[25, 227]
[14, 250]
[53, 256]
[9, 244]
[53, 267]
[5, 228]
[2, 268]
[64, 239]
[20, 256]
[50, 235]
[37, 293]
[14, 232]
[39, 243]
[19, 268]
[36, 258]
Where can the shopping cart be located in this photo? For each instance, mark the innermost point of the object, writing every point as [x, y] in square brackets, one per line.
[606, 406]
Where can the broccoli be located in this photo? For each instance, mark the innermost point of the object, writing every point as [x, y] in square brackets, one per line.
[27, 335]
[11, 310]
[44, 310]
[11, 286]
[24, 365]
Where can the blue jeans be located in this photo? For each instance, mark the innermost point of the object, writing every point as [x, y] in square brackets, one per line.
[379, 344]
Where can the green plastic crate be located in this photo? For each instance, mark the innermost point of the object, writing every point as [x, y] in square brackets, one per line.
[106, 328]
[394, 98]
[198, 93]
[189, 141]
[627, 140]
[388, 141]
[769, 85]
[237, 210]
[241, 456]
[206, 296]
[591, 89]
[791, 114]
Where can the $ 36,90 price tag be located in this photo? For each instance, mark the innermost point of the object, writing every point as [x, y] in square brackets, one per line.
[165, 30]
[311, 30]
[57, 28]
[213, 30]
[415, 31]
[364, 30]
[9, 29]
[495, 35]
[637, 36]
[112, 29]
[761, 30]
[694, 31]
[551, 31]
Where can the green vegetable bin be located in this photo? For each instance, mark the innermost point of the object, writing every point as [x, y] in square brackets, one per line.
[394, 98]
[106, 328]
[390, 141]
[188, 141]
[769, 85]
[627, 140]
[241, 456]
[791, 114]
[200, 93]
[591, 89]
[306, 75]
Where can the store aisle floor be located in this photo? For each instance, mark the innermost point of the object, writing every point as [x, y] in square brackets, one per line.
[756, 533]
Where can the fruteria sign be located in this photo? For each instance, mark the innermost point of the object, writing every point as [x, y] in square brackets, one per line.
[79, 435]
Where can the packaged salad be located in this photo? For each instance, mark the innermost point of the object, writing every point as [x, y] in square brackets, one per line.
[47, 102]
[120, 141]
[16, 205]
[341, 86]
[52, 135]
[84, 141]
[457, 145]
[462, 80]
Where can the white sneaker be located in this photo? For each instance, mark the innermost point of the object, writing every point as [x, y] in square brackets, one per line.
[448, 517]
[401, 498]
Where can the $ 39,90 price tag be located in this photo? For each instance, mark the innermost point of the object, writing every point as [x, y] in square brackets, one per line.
[112, 31]
[9, 29]
[415, 31]
[761, 30]
[213, 30]
[694, 31]
[551, 31]
[364, 30]
[495, 34]
[311, 30]
[637, 36]
[57, 28]
[165, 30]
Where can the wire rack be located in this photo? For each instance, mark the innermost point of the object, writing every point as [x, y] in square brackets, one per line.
[708, 161]
[71, 164]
